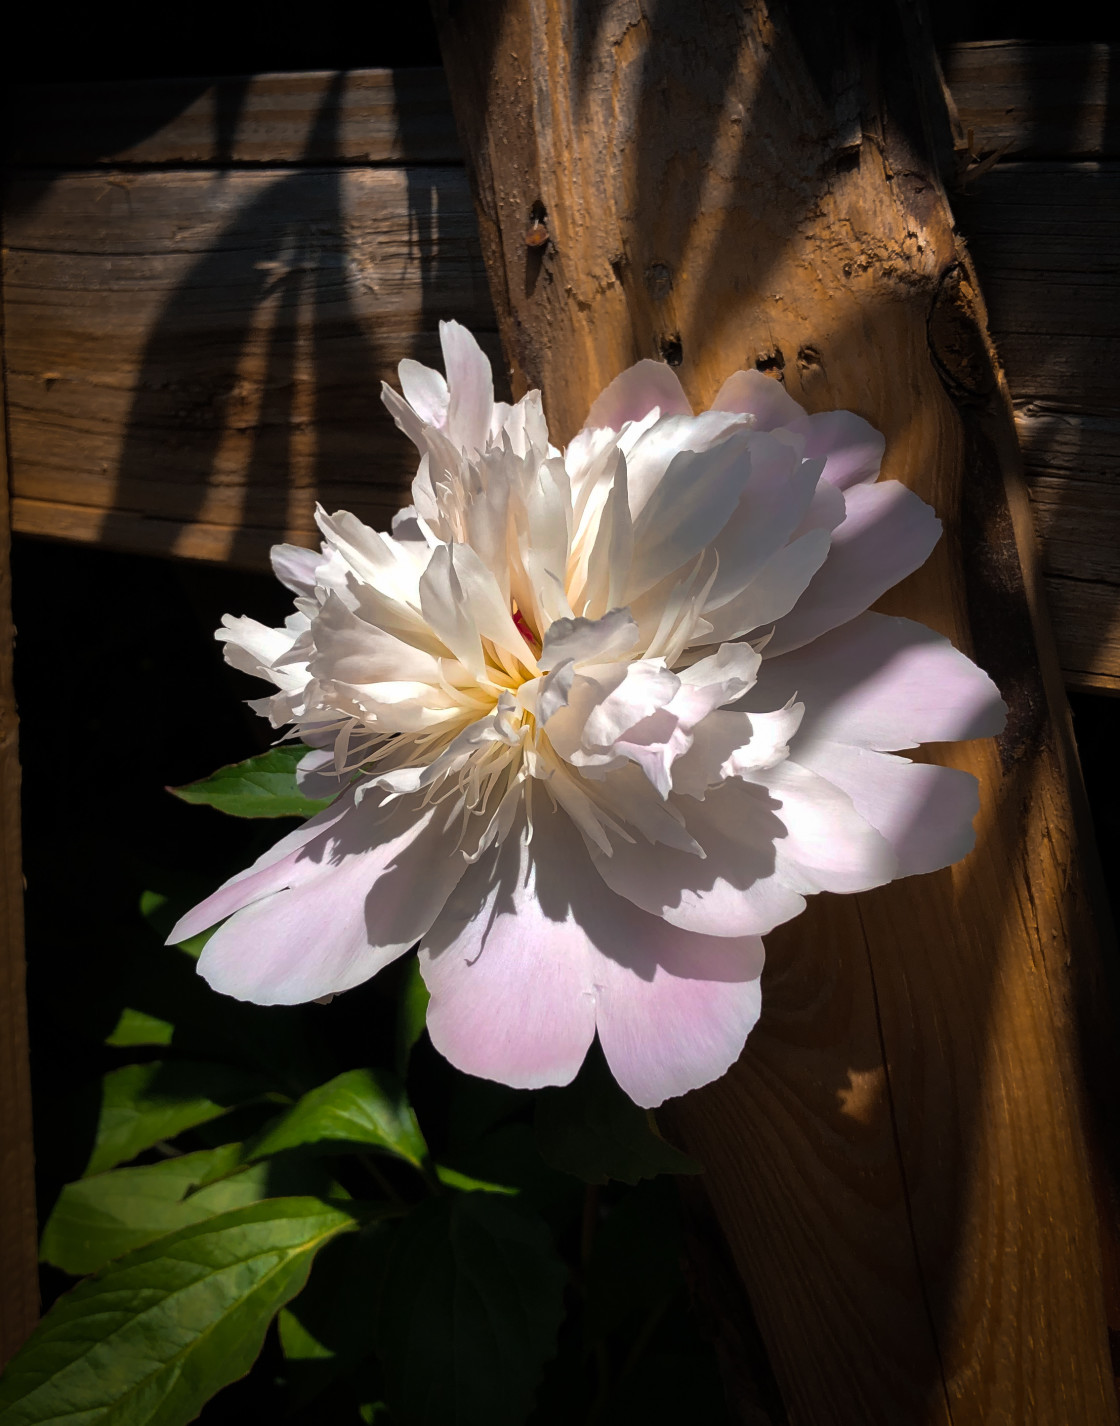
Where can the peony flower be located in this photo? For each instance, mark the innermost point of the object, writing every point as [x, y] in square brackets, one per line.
[597, 721]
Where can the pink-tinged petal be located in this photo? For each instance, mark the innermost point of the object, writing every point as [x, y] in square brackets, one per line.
[251, 646]
[730, 891]
[728, 743]
[673, 1009]
[773, 591]
[635, 393]
[358, 899]
[827, 845]
[884, 683]
[924, 812]
[851, 448]
[886, 534]
[507, 966]
[425, 391]
[763, 397]
[295, 567]
[471, 387]
[290, 859]
[531, 951]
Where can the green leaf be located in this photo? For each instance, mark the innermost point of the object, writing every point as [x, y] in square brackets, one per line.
[451, 1178]
[136, 1027]
[100, 1218]
[264, 786]
[142, 1105]
[154, 1335]
[593, 1130]
[363, 1107]
[470, 1308]
[412, 1011]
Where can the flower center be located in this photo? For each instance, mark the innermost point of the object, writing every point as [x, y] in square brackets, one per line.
[526, 631]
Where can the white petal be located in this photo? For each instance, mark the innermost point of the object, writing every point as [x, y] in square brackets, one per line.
[651, 455]
[762, 397]
[688, 508]
[350, 650]
[774, 590]
[507, 967]
[886, 534]
[295, 567]
[884, 683]
[636, 392]
[425, 391]
[924, 812]
[363, 895]
[589, 640]
[471, 387]
[851, 448]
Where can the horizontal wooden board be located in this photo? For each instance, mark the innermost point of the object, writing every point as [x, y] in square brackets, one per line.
[1036, 100]
[195, 336]
[360, 116]
[1046, 239]
[207, 348]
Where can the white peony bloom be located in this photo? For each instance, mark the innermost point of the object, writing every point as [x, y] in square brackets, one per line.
[598, 721]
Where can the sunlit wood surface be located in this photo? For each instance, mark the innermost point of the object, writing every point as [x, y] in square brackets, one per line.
[901, 1160]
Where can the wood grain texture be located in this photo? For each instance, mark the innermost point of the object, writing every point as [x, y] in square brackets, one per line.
[1046, 241]
[201, 349]
[361, 116]
[1044, 236]
[19, 1240]
[1036, 100]
[899, 1158]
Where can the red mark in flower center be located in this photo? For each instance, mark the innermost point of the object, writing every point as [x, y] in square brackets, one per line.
[524, 630]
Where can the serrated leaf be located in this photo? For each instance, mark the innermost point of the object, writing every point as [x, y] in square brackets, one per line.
[363, 1107]
[264, 786]
[591, 1129]
[142, 1105]
[154, 1335]
[103, 1217]
[471, 1304]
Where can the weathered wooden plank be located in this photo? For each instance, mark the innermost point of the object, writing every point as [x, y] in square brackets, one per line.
[1037, 100]
[1089, 617]
[360, 116]
[898, 1159]
[93, 269]
[19, 1242]
[1046, 240]
[200, 347]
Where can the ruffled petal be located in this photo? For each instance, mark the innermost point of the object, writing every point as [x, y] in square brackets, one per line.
[351, 902]
[425, 391]
[886, 534]
[924, 812]
[635, 393]
[881, 682]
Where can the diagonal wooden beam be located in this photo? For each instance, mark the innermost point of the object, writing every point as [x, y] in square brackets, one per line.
[903, 1159]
